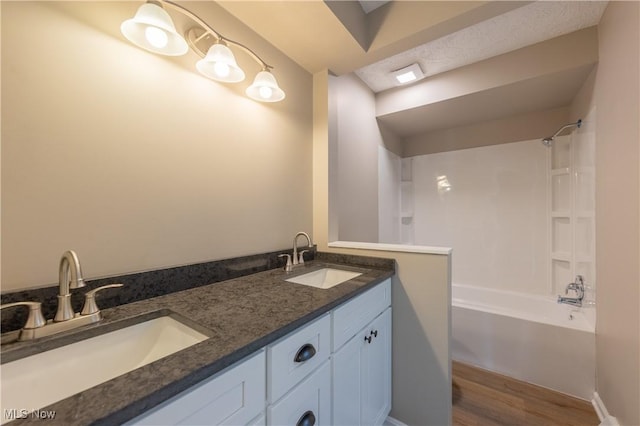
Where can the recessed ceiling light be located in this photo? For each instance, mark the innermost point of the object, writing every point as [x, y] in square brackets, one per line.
[406, 77]
[408, 74]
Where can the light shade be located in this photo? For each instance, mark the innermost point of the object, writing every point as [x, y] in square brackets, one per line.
[152, 29]
[220, 65]
[265, 88]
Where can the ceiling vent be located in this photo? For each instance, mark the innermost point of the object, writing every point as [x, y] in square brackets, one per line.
[408, 74]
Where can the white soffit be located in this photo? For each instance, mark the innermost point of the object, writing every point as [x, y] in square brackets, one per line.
[524, 26]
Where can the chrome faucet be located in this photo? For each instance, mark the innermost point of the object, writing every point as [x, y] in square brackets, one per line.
[578, 288]
[69, 265]
[300, 259]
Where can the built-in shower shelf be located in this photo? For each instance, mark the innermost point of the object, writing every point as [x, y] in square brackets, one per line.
[585, 169]
[561, 255]
[585, 215]
[571, 208]
[584, 258]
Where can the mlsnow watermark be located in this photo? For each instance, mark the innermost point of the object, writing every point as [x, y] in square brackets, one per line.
[24, 413]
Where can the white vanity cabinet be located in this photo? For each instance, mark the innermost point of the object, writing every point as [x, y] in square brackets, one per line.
[307, 404]
[296, 355]
[335, 370]
[361, 367]
[232, 397]
[299, 376]
[362, 376]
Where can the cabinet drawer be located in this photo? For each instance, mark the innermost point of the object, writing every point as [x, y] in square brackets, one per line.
[311, 399]
[296, 356]
[236, 396]
[349, 318]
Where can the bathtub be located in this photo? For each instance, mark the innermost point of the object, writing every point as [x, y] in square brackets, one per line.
[530, 338]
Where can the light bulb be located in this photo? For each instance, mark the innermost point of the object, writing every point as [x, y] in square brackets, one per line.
[265, 88]
[221, 69]
[156, 37]
[265, 92]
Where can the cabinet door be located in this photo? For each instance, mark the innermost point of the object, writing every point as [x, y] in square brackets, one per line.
[349, 318]
[309, 403]
[376, 371]
[362, 376]
[347, 390]
[235, 396]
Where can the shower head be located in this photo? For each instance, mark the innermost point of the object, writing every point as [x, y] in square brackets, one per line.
[548, 141]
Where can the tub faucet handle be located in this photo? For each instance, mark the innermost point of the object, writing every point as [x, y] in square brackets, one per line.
[578, 287]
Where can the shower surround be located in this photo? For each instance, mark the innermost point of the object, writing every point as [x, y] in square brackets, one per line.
[520, 219]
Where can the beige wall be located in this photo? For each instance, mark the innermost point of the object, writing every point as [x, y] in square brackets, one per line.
[421, 294]
[533, 125]
[135, 160]
[356, 142]
[617, 89]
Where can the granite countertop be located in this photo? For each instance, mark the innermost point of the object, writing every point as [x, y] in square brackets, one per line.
[242, 315]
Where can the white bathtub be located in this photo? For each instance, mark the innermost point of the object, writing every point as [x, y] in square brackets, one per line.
[530, 338]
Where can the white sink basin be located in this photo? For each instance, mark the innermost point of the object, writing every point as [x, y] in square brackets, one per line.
[39, 380]
[324, 278]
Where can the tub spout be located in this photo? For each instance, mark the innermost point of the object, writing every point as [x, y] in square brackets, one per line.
[573, 301]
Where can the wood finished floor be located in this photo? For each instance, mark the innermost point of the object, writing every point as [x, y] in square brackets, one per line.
[484, 398]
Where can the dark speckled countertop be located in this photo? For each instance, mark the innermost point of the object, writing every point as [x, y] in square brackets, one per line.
[241, 315]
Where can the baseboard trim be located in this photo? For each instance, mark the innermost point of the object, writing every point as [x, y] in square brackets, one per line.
[606, 419]
[390, 421]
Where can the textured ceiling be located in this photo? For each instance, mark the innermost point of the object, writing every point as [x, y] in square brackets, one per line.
[536, 94]
[524, 26]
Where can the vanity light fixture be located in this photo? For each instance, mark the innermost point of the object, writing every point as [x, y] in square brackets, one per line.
[408, 74]
[153, 29]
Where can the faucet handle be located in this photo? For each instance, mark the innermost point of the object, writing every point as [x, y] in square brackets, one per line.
[90, 306]
[35, 318]
[301, 257]
[288, 266]
[577, 286]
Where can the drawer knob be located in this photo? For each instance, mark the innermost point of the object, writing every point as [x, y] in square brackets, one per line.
[305, 353]
[367, 339]
[374, 333]
[307, 419]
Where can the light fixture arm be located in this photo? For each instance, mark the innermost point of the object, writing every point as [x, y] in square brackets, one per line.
[192, 37]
